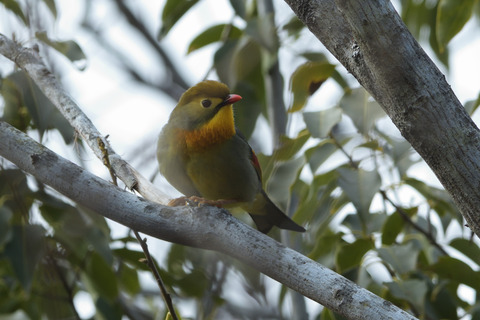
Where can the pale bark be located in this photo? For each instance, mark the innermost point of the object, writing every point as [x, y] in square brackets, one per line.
[371, 41]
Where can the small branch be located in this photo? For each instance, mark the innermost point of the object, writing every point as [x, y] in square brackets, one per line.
[407, 219]
[140, 27]
[148, 258]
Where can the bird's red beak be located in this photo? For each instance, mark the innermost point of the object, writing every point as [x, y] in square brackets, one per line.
[232, 98]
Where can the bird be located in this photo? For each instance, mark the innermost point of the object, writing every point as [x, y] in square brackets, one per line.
[204, 156]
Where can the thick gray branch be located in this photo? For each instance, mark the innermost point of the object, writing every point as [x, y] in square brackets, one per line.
[371, 41]
[32, 64]
[206, 227]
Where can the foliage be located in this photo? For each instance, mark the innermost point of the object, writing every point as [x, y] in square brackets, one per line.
[346, 176]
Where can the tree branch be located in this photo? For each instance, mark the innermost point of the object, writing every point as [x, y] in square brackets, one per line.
[205, 227]
[372, 42]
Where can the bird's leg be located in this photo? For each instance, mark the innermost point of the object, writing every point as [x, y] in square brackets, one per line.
[200, 202]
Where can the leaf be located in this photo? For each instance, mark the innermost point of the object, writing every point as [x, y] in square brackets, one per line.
[326, 243]
[350, 255]
[360, 186]
[437, 198]
[283, 177]
[101, 278]
[320, 123]
[472, 105]
[14, 7]
[306, 80]
[468, 248]
[289, 147]
[363, 111]
[402, 258]
[239, 8]
[392, 228]
[458, 271]
[5, 230]
[262, 29]
[43, 113]
[24, 251]
[452, 15]
[173, 10]
[69, 49]
[317, 155]
[128, 277]
[294, 27]
[220, 32]
[51, 6]
[411, 290]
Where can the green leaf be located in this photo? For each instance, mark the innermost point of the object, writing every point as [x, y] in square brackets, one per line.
[320, 123]
[392, 228]
[326, 244]
[14, 7]
[411, 290]
[438, 199]
[452, 15]
[306, 80]
[129, 279]
[220, 32]
[350, 255]
[24, 251]
[283, 177]
[132, 257]
[458, 271]
[468, 248]
[317, 155]
[360, 187]
[294, 27]
[101, 278]
[262, 29]
[173, 10]
[247, 111]
[43, 113]
[239, 8]
[51, 6]
[472, 105]
[69, 49]
[289, 147]
[363, 111]
[402, 258]
[5, 230]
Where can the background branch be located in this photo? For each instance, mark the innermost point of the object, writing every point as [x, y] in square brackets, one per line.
[408, 86]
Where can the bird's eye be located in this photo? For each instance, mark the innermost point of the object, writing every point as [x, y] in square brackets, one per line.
[206, 103]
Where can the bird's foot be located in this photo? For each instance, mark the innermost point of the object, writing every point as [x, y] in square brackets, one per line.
[199, 202]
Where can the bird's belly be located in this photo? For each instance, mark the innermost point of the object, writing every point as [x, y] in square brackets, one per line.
[222, 176]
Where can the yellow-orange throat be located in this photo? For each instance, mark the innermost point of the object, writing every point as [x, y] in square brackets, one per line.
[220, 128]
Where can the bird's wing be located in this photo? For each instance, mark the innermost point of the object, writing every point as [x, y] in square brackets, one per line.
[252, 156]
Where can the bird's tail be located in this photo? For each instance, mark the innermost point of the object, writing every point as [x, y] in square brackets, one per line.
[271, 216]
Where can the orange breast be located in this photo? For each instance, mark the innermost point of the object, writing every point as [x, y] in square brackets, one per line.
[219, 129]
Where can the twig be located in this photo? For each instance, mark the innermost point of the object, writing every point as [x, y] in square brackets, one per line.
[407, 219]
[149, 261]
[143, 243]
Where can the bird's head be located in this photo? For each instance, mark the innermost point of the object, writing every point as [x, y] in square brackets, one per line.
[208, 103]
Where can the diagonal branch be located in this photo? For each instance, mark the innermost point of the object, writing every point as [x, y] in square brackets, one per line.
[205, 227]
[371, 41]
